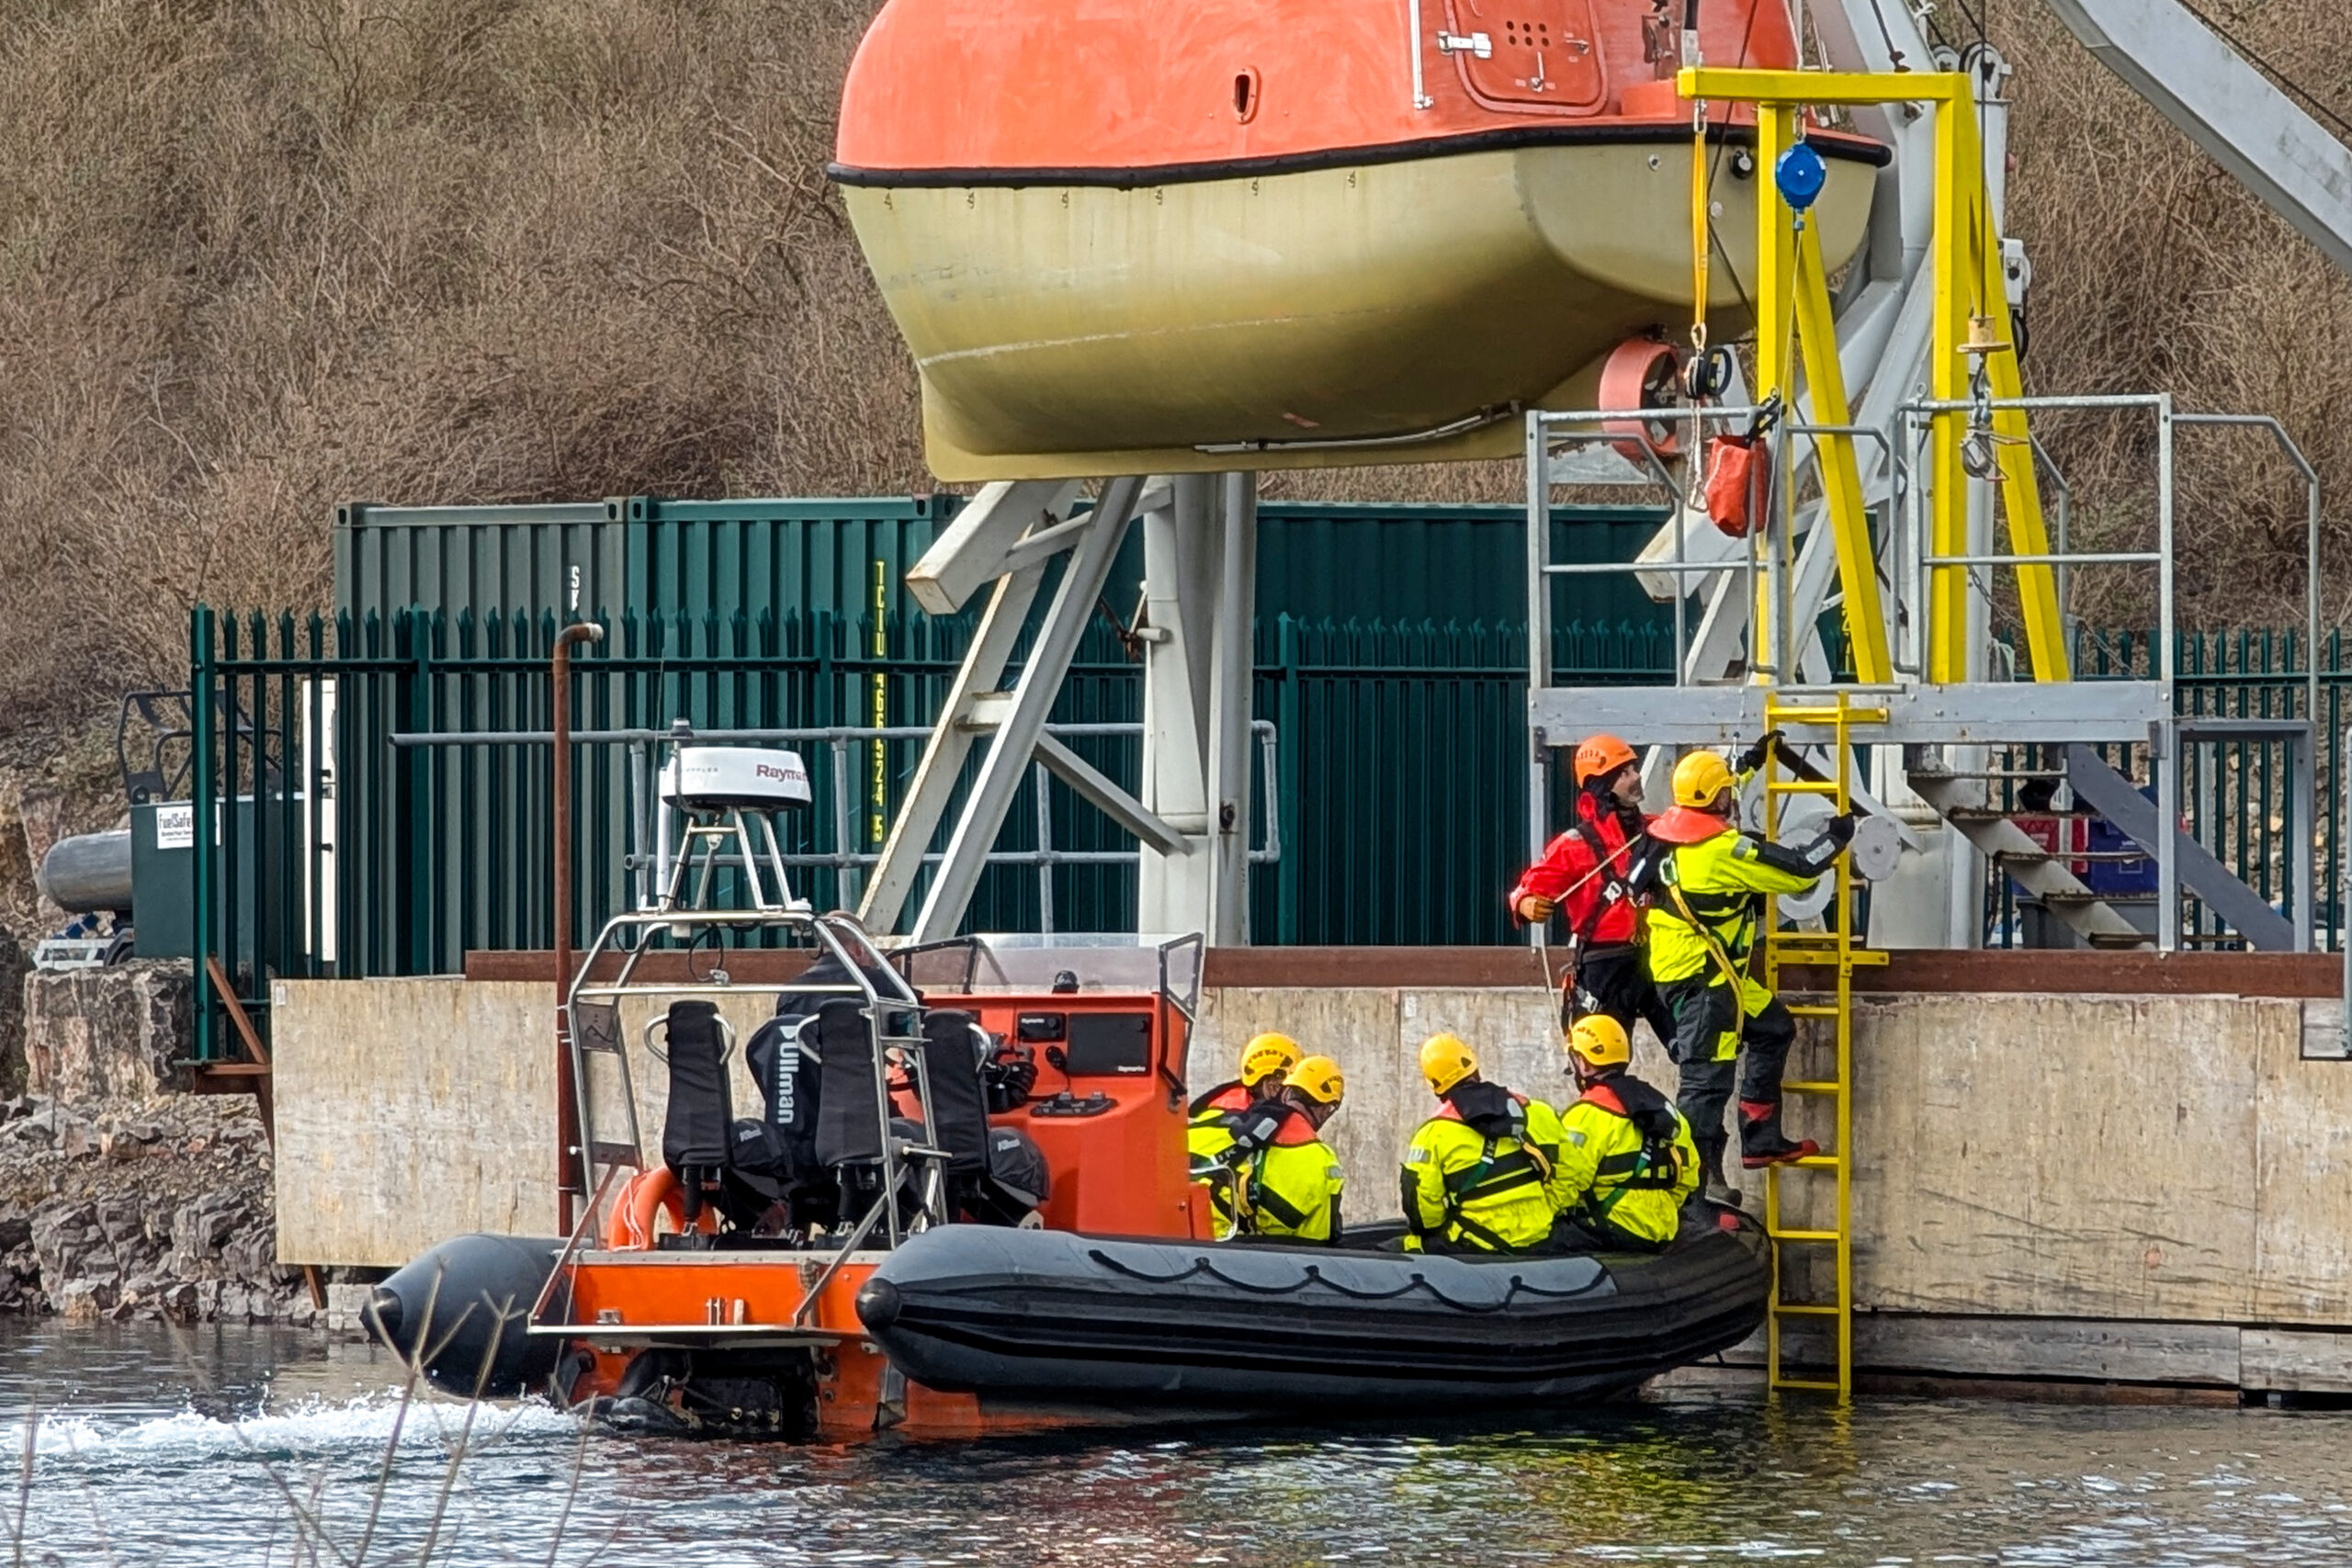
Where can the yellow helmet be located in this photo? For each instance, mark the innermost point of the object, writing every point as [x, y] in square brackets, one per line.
[1319, 1078]
[1446, 1061]
[1600, 1041]
[1267, 1054]
[1700, 779]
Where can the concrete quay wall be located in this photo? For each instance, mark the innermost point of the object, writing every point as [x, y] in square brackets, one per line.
[2141, 1161]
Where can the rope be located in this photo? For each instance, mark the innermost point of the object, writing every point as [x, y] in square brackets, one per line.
[1701, 228]
[1313, 1275]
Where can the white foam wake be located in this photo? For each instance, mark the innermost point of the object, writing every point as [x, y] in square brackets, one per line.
[313, 1426]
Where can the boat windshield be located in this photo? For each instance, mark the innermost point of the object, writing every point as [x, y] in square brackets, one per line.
[1033, 962]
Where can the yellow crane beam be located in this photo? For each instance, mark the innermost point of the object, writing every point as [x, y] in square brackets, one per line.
[1794, 325]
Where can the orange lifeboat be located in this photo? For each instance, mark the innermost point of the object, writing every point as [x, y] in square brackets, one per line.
[1127, 238]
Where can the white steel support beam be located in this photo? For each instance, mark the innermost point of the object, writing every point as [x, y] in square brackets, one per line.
[978, 545]
[1024, 720]
[926, 802]
[1200, 562]
[2290, 163]
[1232, 665]
[1103, 794]
[1180, 577]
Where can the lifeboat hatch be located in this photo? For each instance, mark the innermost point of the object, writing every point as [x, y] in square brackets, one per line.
[1542, 54]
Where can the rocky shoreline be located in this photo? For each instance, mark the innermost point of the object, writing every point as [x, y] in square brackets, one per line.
[158, 1209]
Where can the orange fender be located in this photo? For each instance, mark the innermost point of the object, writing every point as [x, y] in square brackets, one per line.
[640, 1205]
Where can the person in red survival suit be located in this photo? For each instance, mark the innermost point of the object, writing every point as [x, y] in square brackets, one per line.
[1589, 873]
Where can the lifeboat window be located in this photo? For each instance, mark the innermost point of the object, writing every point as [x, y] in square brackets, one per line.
[1245, 96]
[1110, 1044]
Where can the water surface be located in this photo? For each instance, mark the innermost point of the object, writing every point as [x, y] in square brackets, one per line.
[239, 1446]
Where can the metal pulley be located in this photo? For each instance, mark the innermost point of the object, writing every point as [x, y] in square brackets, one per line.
[1875, 847]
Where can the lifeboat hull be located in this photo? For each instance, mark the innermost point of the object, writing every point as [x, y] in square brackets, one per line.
[1400, 308]
[1038, 1315]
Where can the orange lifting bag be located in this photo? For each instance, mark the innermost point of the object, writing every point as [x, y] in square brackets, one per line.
[1739, 482]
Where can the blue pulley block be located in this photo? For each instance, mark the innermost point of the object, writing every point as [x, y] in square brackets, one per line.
[1800, 173]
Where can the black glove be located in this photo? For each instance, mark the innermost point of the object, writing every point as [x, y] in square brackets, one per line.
[1841, 831]
[1754, 757]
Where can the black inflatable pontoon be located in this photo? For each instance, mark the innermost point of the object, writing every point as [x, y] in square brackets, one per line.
[1052, 1316]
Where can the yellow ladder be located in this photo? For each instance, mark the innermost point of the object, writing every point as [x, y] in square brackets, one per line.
[1833, 948]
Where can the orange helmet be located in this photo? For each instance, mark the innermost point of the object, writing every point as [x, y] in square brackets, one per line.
[1599, 756]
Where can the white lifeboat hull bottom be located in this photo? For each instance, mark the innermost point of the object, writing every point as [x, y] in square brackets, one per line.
[1379, 312]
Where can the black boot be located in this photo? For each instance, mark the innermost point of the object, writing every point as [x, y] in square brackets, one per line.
[1711, 1185]
[1761, 1141]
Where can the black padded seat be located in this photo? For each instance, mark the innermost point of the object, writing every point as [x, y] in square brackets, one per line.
[958, 1101]
[849, 1109]
[698, 1126]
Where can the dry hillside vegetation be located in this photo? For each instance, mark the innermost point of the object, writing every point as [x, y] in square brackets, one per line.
[2153, 271]
[257, 256]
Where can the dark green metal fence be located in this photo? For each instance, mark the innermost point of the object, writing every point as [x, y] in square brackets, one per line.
[1399, 789]
[1398, 782]
[1401, 747]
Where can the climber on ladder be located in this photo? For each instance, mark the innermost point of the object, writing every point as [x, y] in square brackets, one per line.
[1710, 884]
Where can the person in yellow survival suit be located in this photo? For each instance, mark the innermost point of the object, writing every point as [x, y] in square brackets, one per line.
[1709, 883]
[1286, 1182]
[1481, 1174]
[1627, 1160]
[1218, 1113]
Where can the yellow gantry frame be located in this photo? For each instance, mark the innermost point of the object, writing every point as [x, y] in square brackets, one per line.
[1793, 308]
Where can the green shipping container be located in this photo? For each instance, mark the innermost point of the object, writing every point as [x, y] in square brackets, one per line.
[1383, 628]
[640, 553]
[1326, 560]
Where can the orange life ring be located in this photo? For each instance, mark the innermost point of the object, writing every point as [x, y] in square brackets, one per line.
[640, 1205]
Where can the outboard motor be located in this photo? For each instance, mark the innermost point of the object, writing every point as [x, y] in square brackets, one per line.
[1018, 1182]
[469, 1300]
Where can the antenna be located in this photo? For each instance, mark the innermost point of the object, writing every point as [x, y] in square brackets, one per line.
[720, 792]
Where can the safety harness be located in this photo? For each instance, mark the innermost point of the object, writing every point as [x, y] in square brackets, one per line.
[1614, 888]
[1497, 1172]
[1737, 907]
[1236, 1174]
[1656, 1166]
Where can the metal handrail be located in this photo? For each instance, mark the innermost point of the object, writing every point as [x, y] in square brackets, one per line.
[838, 738]
[827, 933]
[1907, 427]
[1925, 562]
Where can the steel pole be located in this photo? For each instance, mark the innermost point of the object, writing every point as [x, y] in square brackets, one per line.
[568, 1133]
[1539, 633]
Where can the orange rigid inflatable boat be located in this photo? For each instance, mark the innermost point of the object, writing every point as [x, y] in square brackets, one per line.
[1125, 238]
[1035, 1256]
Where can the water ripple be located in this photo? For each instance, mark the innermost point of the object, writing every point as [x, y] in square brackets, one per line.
[222, 1447]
